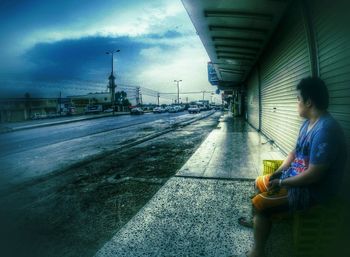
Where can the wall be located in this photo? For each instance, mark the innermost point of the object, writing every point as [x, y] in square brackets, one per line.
[313, 38]
[252, 100]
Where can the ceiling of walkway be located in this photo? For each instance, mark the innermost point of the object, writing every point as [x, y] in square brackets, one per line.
[234, 33]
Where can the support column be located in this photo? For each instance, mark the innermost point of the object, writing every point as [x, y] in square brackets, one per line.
[311, 37]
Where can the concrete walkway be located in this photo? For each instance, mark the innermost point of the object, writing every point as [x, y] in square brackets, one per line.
[195, 213]
[232, 150]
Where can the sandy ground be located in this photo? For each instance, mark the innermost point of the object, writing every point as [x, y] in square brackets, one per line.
[76, 212]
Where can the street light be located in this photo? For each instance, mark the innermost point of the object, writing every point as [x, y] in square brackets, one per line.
[111, 79]
[178, 90]
[112, 53]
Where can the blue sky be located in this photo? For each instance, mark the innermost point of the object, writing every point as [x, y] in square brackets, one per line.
[52, 46]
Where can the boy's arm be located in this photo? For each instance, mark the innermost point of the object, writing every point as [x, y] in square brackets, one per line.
[323, 151]
[311, 175]
[286, 163]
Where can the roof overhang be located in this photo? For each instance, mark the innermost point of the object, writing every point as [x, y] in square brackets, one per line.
[234, 33]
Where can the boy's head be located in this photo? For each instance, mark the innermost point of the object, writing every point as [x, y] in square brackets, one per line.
[312, 93]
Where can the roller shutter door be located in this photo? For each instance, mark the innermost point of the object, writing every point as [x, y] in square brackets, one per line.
[333, 47]
[284, 63]
[253, 99]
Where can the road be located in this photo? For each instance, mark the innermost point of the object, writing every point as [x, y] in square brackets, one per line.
[74, 212]
[32, 153]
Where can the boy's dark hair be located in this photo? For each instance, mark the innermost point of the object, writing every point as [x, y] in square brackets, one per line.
[315, 89]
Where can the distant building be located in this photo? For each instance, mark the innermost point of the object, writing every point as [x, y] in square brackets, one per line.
[92, 98]
[80, 102]
[19, 109]
[26, 108]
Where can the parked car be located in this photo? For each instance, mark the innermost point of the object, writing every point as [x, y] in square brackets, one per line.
[158, 110]
[96, 108]
[177, 108]
[194, 109]
[136, 110]
[53, 115]
[108, 110]
[202, 107]
[172, 109]
[38, 116]
[181, 108]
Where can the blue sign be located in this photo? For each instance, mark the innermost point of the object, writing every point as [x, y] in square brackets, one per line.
[212, 76]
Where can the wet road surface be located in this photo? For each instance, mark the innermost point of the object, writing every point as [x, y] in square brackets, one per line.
[32, 153]
[75, 212]
[24, 140]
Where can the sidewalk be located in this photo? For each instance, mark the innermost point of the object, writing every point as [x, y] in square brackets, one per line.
[14, 126]
[195, 213]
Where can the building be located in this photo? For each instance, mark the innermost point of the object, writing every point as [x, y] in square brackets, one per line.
[19, 109]
[260, 50]
[80, 102]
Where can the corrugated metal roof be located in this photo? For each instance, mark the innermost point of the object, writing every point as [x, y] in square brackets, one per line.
[234, 33]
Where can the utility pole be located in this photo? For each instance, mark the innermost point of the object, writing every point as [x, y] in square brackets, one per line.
[178, 90]
[137, 96]
[158, 95]
[203, 94]
[60, 103]
[112, 86]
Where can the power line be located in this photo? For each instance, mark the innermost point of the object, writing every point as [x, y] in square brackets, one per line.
[88, 86]
[184, 93]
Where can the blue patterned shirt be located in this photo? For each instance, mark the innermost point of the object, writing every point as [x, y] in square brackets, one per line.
[324, 144]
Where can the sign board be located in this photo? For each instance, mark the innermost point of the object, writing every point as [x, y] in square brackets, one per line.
[212, 76]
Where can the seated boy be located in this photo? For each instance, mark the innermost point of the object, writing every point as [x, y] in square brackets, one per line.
[312, 172]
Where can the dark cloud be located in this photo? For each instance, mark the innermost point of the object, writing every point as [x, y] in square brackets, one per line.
[74, 66]
[44, 66]
[83, 58]
[43, 12]
[68, 63]
[20, 18]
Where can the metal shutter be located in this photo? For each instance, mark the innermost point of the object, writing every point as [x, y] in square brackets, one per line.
[333, 45]
[284, 63]
[253, 99]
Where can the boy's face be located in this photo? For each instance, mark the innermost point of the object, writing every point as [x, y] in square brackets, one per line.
[303, 107]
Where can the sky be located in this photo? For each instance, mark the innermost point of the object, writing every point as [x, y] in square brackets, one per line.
[48, 47]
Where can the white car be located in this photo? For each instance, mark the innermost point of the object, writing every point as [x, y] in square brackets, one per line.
[177, 108]
[194, 109]
[172, 109]
[108, 110]
[158, 110]
[136, 110]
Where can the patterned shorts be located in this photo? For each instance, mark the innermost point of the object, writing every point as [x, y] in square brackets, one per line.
[267, 200]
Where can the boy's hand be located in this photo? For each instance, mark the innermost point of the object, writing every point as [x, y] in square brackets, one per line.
[273, 184]
[275, 175]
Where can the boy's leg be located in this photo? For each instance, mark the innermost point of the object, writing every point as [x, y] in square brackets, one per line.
[264, 205]
[262, 183]
[269, 200]
[262, 228]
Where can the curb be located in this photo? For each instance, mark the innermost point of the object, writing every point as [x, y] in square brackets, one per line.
[8, 129]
